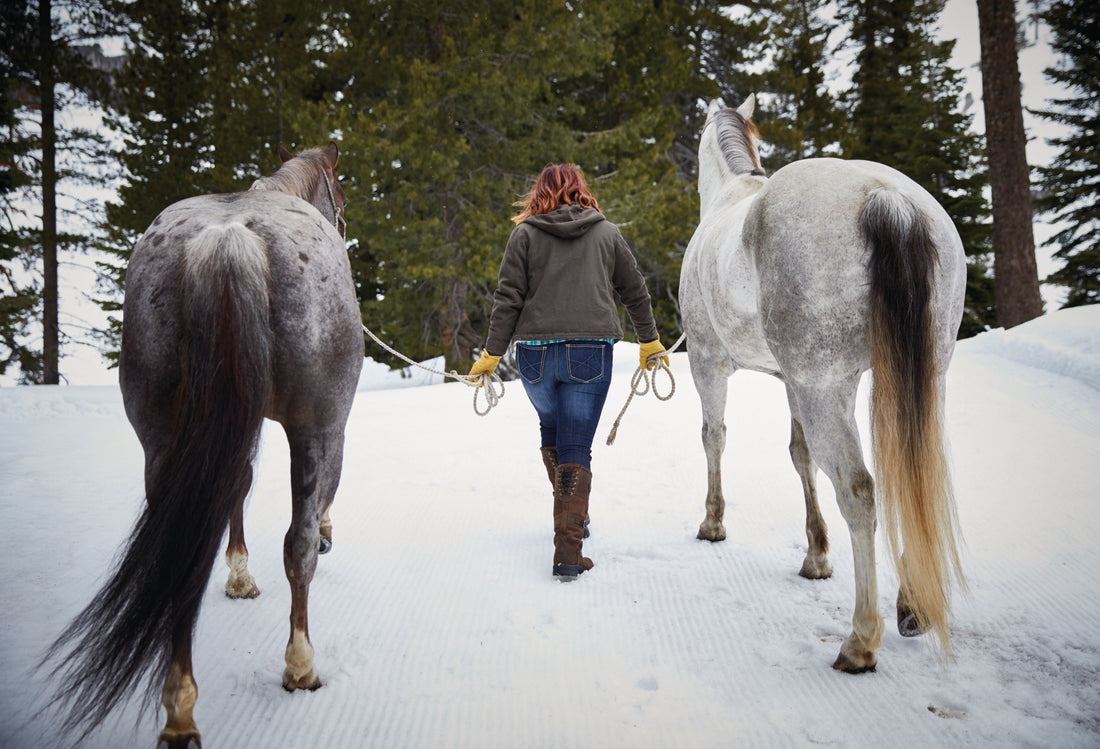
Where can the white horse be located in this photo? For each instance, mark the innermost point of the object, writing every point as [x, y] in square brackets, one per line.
[823, 271]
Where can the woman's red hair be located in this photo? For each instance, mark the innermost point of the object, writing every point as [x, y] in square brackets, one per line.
[556, 185]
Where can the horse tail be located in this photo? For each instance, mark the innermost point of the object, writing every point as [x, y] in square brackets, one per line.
[915, 498]
[125, 639]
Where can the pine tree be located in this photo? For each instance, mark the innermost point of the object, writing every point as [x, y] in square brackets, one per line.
[644, 103]
[452, 111]
[45, 75]
[19, 295]
[209, 90]
[798, 116]
[157, 108]
[905, 113]
[449, 112]
[1016, 277]
[1071, 184]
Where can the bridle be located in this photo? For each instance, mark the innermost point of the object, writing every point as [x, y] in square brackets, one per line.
[337, 210]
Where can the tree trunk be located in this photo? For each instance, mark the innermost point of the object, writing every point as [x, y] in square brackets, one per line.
[1016, 279]
[50, 322]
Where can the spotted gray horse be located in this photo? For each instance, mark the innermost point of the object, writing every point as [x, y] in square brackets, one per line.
[238, 307]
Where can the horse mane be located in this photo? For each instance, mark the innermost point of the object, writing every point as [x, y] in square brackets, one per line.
[300, 176]
[737, 138]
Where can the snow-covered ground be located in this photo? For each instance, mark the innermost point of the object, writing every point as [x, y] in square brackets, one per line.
[437, 622]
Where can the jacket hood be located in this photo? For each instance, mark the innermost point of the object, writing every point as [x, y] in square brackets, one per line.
[567, 221]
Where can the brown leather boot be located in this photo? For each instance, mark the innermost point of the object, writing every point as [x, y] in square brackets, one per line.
[572, 484]
[550, 460]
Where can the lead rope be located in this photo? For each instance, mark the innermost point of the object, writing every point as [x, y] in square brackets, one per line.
[490, 382]
[641, 376]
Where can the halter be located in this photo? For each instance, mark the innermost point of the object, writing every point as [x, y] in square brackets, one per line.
[337, 211]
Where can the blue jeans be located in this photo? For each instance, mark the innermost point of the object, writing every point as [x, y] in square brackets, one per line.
[567, 384]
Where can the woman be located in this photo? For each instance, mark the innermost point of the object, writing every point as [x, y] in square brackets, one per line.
[564, 270]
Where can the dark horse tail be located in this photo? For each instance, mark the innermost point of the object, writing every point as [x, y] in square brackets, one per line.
[914, 494]
[148, 607]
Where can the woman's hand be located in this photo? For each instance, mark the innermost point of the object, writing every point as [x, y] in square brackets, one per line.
[647, 350]
[486, 365]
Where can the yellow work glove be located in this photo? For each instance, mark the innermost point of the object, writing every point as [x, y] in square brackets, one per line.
[485, 365]
[647, 350]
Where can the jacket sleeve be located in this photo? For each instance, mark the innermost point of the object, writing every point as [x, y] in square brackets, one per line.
[510, 295]
[631, 288]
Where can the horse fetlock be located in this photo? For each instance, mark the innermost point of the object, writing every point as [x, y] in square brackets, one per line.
[240, 583]
[178, 697]
[300, 672]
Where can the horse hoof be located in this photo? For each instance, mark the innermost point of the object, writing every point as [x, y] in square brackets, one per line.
[819, 569]
[188, 740]
[241, 592]
[848, 666]
[241, 587]
[711, 532]
[326, 546]
[908, 626]
[310, 682]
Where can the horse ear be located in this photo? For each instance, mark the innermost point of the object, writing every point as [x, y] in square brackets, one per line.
[284, 155]
[716, 105]
[747, 107]
[332, 154]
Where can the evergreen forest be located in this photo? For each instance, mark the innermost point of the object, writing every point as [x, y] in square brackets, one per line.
[444, 113]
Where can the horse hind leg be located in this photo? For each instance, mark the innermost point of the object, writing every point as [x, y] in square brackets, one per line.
[909, 624]
[178, 697]
[833, 440]
[816, 565]
[315, 464]
[240, 583]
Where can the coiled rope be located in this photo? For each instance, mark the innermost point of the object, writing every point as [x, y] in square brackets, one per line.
[488, 383]
[641, 376]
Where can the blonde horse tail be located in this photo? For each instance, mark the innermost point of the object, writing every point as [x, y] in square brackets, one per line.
[915, 498]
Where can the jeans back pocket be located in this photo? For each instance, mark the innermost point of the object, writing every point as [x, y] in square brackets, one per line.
[585, 361]
[530, 361]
